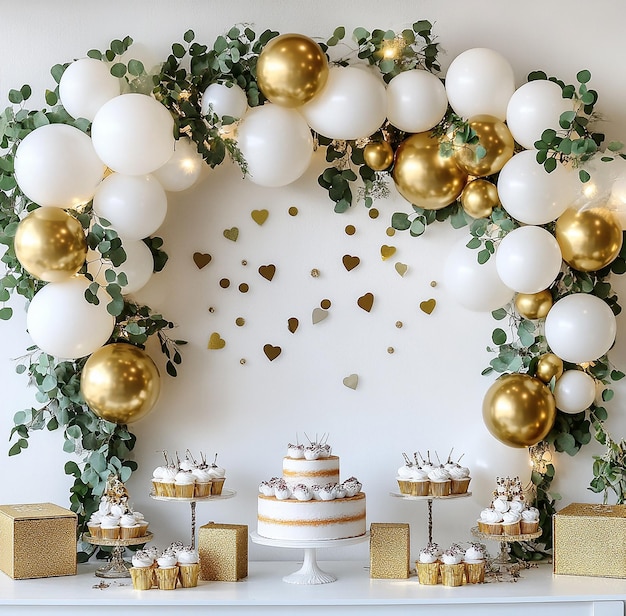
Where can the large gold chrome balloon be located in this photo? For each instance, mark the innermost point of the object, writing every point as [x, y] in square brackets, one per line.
[378, 155]
[495, 137]
[50, 244]
[424, 177]
[519, 410]
[549, 366]
[291, 70]
[479, 197]
[589, 239]
[120, 383]
[534, 305]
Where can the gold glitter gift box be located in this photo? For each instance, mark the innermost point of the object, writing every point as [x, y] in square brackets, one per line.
[590, 540]
[223, 551]
[389, 550]
[37, 540]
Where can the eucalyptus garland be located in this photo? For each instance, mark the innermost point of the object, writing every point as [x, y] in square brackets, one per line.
[104, 447]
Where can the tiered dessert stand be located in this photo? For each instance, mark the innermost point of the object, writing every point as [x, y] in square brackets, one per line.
[504, 558]
[192, 502]
[117, 567]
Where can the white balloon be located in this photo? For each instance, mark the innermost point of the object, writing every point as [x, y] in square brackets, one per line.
[133, 134]
[472, 285]
[530, 194]
[480, 81]
[416, 101]
[528, 259]
[580, 328]
[135, 205]
[224, 100]
[85, 86]
[56, 165]
[352, 104]
[574, 391]
[533, 108]
[63, 323]
[276, 143]
[183, 169]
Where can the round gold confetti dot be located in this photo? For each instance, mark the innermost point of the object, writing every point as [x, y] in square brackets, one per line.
[398, 324]
[373, 213]
[433, 283]
[315, 273]
[293, 211]
[243, 287]
[390, 350]
[390, 231]
[240, 321]
[350, 230]
[211, 309]
[325, 304]
[242, 361]
[224, 283]
[244, 263]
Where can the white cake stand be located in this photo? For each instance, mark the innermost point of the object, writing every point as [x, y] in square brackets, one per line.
[309, 573]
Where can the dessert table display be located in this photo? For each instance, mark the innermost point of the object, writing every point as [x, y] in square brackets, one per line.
[117, 567]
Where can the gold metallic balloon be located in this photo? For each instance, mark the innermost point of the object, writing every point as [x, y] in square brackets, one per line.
[479, 197]
[120, 383]
[495, 137]
[378, 155]
[50, 244]
[589, 239]
[519, 410]
[291, 70]
[423, 176]
[549, 366]
[534, 305]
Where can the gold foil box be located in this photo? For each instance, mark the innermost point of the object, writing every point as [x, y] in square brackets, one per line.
[37, 540]
[590, 540]
[389, 550]
[223, 551]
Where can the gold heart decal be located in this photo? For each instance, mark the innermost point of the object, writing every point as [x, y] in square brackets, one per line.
[259, 216]
[428, 306]
[272, 352]
[319, 314]
[267, 271]
[401, 268]
[216, 342]
[350, 262]
[366, 301]
[292, 324]
[351, 381]
[201, 259]
[231, 234]
[387, 251]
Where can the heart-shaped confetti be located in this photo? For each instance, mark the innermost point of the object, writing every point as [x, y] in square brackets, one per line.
[350, 262]
[387, 251]
[351, 381]
[319, 314]
[267, 271]
[272, 352]
[292, 324]
[231, 234]
[428, 306]
[259, 216]
[216, 342]
[401, 268]
[366, 301]
[201, 259]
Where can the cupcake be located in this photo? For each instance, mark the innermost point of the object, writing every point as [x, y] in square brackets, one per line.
[184, 484]
[459, 479]
[168, 481]
[474, 564]
[93, 525]
[403, 476]
[218, 476]
[427, 565]
[452, 568]
[530, 520]
[129, 529]
[167, 577]
[188, 567]
[203, 482]
[439, 481]
[110, 527]
[511, 523]
[141, 521]
[490, 522]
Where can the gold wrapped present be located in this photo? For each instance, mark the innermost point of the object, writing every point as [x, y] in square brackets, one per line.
[37, 540]
[389, 550]
[223, 550]
[590, 540]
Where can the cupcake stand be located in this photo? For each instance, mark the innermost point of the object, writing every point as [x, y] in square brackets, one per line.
[117, 567]
[504, 557]
[309, 573]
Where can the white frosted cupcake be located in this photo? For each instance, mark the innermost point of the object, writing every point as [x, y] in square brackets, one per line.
[511, 523]
[490, 522]
[440, 481]
[530, 520]
[110, 527]
[452, 568]
[427, 565]
[188, 567]
[474, 564]
[184, 483]
[203, 483]
[459, 478]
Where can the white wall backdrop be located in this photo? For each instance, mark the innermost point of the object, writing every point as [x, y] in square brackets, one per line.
[426, 395]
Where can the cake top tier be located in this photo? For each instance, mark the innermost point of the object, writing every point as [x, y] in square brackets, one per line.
[316, 449]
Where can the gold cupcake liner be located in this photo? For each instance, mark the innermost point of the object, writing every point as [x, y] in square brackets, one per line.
[427, 573]
[110, 533]
[184, 490]
[167, 578]
[440, 488]
[188, 575]
[452, 575]
[475, 572]
[529, 527]
[511, 529]
[168, 489]
[217, 485]
[143, 577]
[158, 488]
[94, 530]
[414, 488]
[459, 486]
[202, 489]
[490, 529]
[130, 532]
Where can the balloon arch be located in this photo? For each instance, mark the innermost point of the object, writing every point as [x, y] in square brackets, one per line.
[87, 183]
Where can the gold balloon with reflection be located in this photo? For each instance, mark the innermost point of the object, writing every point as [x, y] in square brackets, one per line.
[120, 383]
[589, 239]
[549, 366]
[291, 70]
[424, 177]
[50, 244]
[519, 410]
[495, 137]
[479, 197]
[534, 305]
[378, 155]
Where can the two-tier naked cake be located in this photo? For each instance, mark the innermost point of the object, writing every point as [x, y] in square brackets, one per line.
[308, 502]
